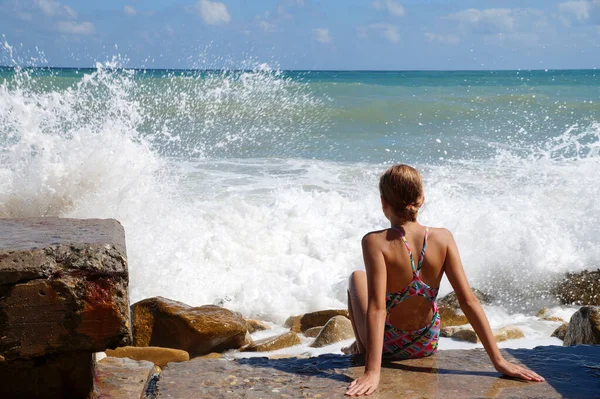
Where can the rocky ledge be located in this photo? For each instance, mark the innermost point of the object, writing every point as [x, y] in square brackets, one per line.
[572, 372]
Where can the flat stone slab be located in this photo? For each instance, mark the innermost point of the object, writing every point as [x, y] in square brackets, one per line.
[122, 378]
[572, 372]
[63, 287]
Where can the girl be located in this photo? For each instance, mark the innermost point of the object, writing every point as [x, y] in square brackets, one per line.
[393, 305]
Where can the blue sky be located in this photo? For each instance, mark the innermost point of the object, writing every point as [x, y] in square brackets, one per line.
[305, 34]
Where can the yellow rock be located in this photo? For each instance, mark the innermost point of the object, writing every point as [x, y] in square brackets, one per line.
[285, 340]
[312, 332]
[449, 317]
[337, 329]
[159, 356]
[509, 332]
[256, 325]
[309, 320]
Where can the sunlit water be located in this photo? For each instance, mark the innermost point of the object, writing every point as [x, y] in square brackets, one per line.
[252, 189]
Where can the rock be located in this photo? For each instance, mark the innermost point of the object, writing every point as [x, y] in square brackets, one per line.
[553, 318]
[159, 356]
[254, 325]
[451, 330]
[584, 327]
[448, 374]
[582, 288]
[66, 375]
[560, 331]
[122, 378]
[302, 323]
[509, 332]
[212, 355]
[451, 300]
[543, 312]
[449, 317]
[338, 328]
[197, 330]
[467, 334]
[285, 340]
[312, 332]
[63, 287]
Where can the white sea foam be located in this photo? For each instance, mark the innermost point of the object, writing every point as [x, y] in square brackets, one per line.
[272, 237]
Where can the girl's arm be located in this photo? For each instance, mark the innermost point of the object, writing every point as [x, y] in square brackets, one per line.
[376, 281]
[474, 312]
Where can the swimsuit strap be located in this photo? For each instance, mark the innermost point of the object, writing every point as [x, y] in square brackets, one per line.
[417, 269]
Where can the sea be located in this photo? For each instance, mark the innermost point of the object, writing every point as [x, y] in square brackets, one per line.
[251, 189]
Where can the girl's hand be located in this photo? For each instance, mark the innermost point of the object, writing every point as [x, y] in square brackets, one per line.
[512, 370]
[364, 385]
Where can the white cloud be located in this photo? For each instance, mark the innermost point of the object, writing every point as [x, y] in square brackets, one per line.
[582, 11]
[129, 10]
[444, 39]
[266, 26]
[213, 13]
[488, 21]
[76, 28]
[52, 8]
[322, 35]
[389, 31]
[391, 6]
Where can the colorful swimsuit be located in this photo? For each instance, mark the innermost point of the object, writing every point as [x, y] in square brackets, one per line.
[405, 344]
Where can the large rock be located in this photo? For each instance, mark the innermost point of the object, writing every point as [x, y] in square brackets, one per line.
[63, 287]
[159, 356]
[320, 318]
[450, 317]
[584, 327]
[122, 378]
[338, 328]
[285, 340]
[197, 330]
[451, 300]
[582, 288]
[449, 374]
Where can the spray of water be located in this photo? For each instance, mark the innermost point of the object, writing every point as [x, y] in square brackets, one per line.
[212, 178]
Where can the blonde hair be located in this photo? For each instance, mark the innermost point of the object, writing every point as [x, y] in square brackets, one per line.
[401, 186]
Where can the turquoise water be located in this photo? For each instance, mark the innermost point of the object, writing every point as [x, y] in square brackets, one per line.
[357, 116]
[252, 189]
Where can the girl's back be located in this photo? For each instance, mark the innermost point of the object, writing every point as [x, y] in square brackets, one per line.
[415, 311]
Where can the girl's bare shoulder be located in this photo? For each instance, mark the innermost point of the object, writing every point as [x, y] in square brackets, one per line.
[375, 238]
[440, 235]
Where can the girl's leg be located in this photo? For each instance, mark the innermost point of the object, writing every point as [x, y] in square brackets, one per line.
[357, 307]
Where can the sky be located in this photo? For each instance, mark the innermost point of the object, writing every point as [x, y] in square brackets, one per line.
[303, 34]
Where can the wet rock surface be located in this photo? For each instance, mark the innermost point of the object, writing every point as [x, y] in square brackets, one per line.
[569, 371]
[584, 327]
[121, 378]
[197, 330]
[338, 328]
